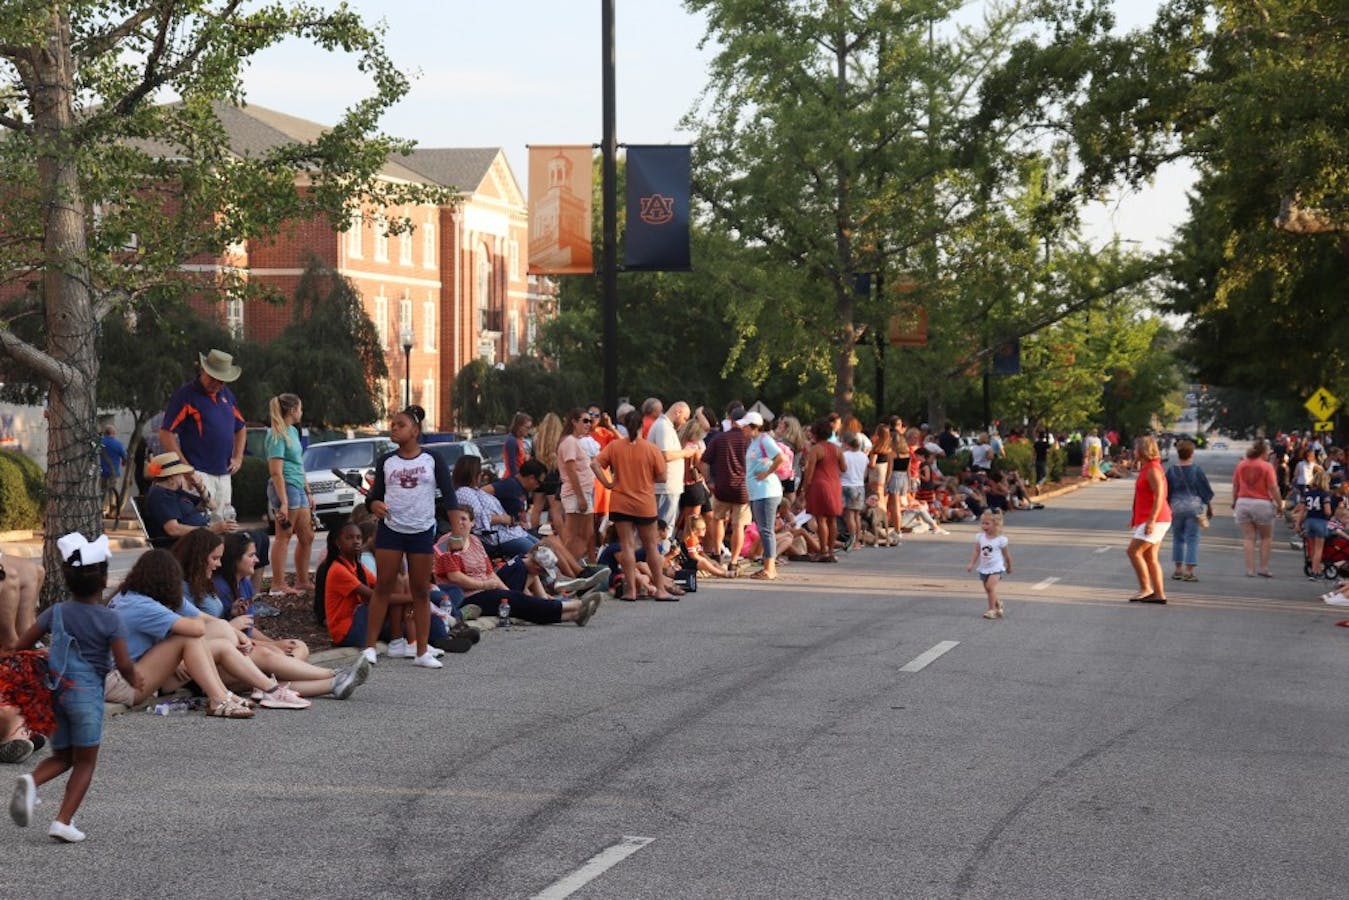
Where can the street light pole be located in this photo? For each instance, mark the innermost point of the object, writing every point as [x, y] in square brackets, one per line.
[609, 204]
[407, 337]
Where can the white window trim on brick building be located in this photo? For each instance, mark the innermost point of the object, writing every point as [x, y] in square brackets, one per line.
[234, 317]
[429, 400]
[429, 322]
[382, 317]
[354, 236]
[405, 249]
[381, 238]
[513, 333]
[405, 317]
[515, 259]
[428, 244]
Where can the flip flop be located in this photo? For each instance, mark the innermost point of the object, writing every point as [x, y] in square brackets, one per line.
[761, 575]
[1142, 598]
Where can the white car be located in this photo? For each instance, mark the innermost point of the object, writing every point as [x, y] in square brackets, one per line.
[334, 498]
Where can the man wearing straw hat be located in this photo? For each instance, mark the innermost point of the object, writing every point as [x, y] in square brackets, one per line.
[203, 424]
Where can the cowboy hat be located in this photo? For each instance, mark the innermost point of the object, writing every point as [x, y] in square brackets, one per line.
[219, 365]
[164, 465]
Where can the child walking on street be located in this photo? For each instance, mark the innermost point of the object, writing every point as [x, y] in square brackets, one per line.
[87, 638]
[993, 559]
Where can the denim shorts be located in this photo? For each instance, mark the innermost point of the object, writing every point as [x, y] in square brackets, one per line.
[78, 705]
[1317, 528]
[421, 542]
[296, 498]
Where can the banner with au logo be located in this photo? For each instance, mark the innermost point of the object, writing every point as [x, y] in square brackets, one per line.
[657, 237]
[560, 181]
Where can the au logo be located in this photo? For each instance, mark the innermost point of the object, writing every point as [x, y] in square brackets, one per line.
[657, 209]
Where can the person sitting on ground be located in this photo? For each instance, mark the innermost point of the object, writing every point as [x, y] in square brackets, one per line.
[537, 573]
[693, 545]
[20, 586]
[233, 585]
[199, 554]
[166, 638]
[501, 535]
[466, 565]
[513, 492]
[177, 503]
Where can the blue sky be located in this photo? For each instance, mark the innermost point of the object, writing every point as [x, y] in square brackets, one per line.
[514, 72]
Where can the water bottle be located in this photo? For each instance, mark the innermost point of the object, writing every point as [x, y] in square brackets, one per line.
[228, 514]
[504, 614]
[179, 707]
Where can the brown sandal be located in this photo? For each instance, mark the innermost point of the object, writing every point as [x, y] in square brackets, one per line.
[762, 575]
[232, 707]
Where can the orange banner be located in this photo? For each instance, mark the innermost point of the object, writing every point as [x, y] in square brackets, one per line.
[559, 210]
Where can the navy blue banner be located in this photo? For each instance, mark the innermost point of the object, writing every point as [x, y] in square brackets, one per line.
[657, 238]
[1007, 358]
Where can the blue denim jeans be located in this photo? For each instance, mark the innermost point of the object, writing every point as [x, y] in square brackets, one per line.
[764, 513]
[1185, 538]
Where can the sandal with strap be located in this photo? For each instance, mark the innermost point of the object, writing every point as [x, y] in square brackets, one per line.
[232, 707]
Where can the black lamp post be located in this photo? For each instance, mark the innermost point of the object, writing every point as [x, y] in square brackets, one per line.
[407, 338]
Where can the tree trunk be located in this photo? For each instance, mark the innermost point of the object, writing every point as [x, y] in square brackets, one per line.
[845, 361]
[73, 499]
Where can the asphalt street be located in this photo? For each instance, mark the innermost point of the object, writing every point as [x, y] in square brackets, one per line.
[782, 741]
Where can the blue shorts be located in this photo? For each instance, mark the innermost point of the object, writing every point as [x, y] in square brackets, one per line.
[421, 542]
[78, 706]
[296, 498]
[1316, 528]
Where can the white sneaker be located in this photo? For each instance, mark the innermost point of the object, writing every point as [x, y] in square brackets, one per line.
[281, 697]
[401, 649]
[370, 655]
[427, 661]
[434, 651]
[68, 834]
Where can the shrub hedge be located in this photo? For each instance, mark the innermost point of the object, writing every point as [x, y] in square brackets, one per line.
[22, 492]
[250, 489]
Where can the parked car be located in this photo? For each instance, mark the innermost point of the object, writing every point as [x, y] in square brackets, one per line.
[334, 498]
[492, 449]
[449, 452]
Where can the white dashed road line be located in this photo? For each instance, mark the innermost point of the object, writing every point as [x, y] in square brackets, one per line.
[921, 661]
[1104, 549]
[594, 867]
[1040, 586]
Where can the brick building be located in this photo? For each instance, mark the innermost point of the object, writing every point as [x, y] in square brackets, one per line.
[456, 285]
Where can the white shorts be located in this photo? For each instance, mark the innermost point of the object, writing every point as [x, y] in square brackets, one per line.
[1158, 532]
[571, 504]
[220, 487]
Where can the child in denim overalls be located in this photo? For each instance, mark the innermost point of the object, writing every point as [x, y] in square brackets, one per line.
[86, 638]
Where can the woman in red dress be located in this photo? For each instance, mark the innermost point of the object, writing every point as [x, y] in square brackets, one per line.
[1151, 519]
[824, 488]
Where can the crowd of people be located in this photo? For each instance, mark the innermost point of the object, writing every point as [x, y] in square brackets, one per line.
[589, 508]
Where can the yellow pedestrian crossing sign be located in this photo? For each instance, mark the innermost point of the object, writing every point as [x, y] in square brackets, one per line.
[1323, 426]
[1322, 404]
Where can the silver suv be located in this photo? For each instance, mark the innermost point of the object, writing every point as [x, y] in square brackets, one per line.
[334, 499]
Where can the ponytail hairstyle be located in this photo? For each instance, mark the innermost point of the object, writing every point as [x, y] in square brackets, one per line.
[278, 408]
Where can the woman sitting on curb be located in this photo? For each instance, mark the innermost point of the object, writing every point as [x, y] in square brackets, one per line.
[161, 642]
[465, 565]
[233, 586]
[199, 553]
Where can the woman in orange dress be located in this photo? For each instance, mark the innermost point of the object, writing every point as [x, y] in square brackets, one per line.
[824, 488]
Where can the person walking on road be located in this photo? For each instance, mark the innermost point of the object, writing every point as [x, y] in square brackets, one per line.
[993, 559]
[1256, 502]
[1151, 519]
[1190, 497]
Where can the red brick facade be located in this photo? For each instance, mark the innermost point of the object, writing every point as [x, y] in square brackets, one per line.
[458, 279]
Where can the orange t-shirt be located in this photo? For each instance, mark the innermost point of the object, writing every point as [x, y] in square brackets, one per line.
[1254, 479]
[637, 466]
[340, 597]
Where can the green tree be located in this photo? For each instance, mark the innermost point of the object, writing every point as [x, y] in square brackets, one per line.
[330, 355]
[1253, 94]
[108, 192]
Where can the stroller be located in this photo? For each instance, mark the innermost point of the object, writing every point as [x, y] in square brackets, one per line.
[1334, 557]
